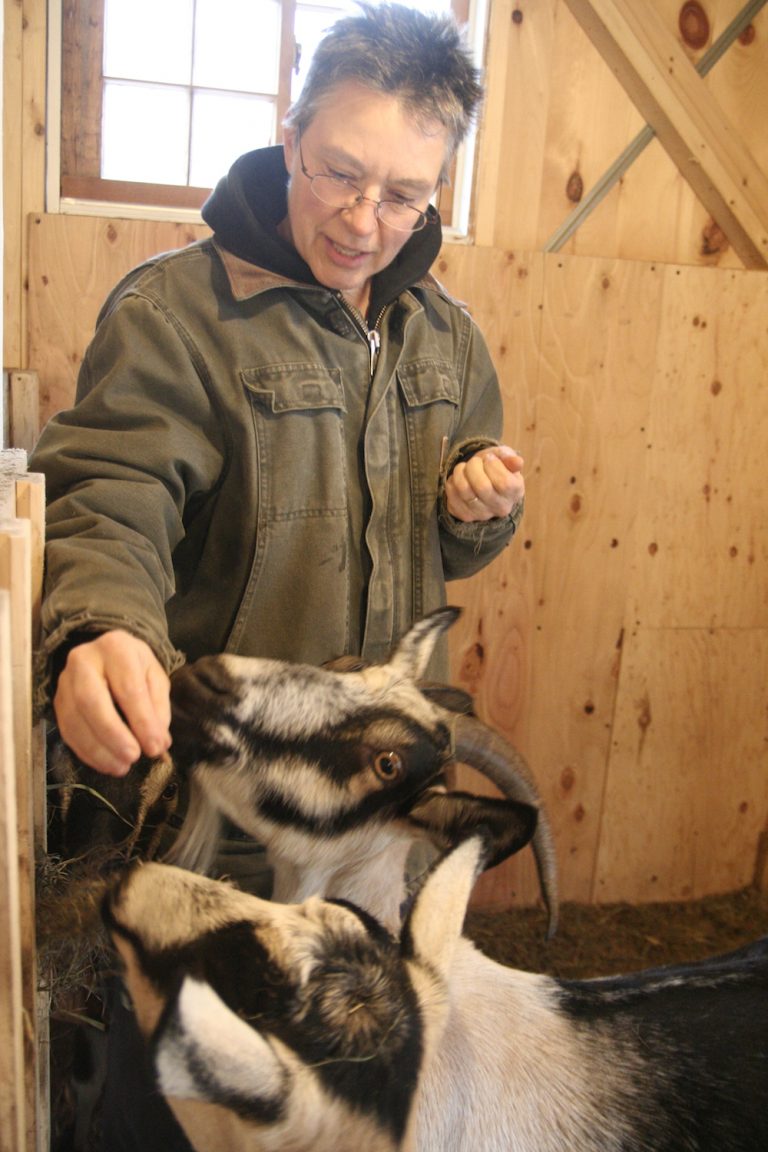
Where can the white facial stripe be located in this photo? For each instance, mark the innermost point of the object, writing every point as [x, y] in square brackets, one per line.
[291, 702]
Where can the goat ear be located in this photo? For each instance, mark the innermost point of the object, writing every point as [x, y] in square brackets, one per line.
[449, 818]
[448, 697]
[434, 924]
[203, 1051]
[413, 653]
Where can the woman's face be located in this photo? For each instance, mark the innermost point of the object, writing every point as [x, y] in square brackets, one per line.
[367, 138]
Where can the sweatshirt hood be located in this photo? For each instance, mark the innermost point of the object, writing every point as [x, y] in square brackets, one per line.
[248, 203]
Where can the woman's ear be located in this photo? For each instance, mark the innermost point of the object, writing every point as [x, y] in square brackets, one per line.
[290, 136]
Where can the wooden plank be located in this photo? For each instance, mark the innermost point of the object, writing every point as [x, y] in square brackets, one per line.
[686, 799]
[74, 263]
[12, 191]
[585, 482]
[635, 395]
[666, 89]
[12, 1085]
[491, 644]
[702, 539]
[30, 506]
[23, 409]
[590, 120]
[510, 151]
[13, 463]
[538, 644]
[623, 162]
[15, 559]
[21, 576]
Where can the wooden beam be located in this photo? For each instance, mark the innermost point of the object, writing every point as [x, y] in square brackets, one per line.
[664, 86]
[23, 409]
[12, 1083]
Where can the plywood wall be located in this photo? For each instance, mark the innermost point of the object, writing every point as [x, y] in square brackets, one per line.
[622, 640]
[557, 118]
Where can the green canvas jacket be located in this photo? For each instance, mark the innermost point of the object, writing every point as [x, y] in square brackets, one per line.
[247, 468]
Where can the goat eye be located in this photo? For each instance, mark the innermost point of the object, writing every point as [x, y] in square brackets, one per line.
[388, 766]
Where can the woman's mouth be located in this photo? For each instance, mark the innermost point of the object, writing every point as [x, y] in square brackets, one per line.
[346, 255]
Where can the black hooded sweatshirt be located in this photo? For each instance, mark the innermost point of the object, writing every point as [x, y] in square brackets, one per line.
[248, 203]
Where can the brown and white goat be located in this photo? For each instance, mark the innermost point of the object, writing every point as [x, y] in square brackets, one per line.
[309, 1028]
[337, 772]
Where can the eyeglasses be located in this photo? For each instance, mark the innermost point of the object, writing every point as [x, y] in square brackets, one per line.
[337, 192]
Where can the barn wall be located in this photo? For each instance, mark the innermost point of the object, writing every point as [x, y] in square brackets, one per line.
[621, 640]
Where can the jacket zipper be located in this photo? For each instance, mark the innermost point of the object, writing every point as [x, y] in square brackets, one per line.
[372, 335]
[374, 344]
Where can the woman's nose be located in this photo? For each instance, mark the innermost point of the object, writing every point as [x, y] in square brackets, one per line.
[362, 216]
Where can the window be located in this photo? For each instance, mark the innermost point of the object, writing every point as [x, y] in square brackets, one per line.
[158, 97]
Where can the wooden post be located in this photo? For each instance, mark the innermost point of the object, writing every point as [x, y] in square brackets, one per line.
[21, 544]
[12, 1081]
[23, 409]
[30, 507]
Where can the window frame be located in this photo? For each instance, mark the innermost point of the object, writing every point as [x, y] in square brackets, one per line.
[73, 184]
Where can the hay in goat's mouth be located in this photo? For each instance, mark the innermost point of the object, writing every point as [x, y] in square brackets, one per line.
[73, 949]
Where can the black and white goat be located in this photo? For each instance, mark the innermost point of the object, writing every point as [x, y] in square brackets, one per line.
[309, 1028]
[337, 772]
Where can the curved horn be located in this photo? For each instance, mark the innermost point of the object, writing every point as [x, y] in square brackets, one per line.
[490, 754]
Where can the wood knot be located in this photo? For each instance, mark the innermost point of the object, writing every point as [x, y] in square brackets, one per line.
[567, 779]
[517, 16]
[693, 23]
[574, 189]
[713, 240]
[644, 713]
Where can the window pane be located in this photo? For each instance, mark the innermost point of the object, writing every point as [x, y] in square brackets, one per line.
[223, 127]
[145, 130]
[312, 20]
[237, 45]
[147, 40]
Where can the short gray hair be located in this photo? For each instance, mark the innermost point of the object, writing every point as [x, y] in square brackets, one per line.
[390, 48]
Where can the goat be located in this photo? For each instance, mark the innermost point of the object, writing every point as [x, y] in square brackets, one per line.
[290, 1028]
[106, 817]
[337, 771]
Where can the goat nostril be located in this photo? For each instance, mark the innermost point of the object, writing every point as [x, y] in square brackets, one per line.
[388, 766]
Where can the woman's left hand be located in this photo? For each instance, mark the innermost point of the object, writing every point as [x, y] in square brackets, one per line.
[488, 485]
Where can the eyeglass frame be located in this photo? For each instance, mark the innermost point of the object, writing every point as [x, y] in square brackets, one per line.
[429, 215]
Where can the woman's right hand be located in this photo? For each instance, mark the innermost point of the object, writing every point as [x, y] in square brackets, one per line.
[112, 702]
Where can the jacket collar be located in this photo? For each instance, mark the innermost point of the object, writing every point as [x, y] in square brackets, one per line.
[247, 279]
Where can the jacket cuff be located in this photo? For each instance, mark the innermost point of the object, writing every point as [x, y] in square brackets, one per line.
[49, 660]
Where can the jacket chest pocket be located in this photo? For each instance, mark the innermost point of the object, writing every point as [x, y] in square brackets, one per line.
[431, 401]
[298, 413]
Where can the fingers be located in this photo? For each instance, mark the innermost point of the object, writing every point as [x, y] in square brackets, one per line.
[509, 457]
[488, 485]
[112, 702]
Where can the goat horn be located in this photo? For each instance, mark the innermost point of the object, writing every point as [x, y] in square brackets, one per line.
[494, 757]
